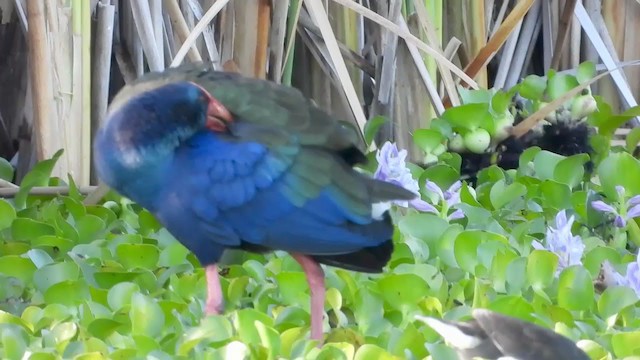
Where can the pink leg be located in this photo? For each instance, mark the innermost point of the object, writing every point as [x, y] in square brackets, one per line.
[215, 302]
[315, 278]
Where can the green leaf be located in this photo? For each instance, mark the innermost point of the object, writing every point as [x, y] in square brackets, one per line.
[402, 291]
[470, 116]
[25, 229]
[545, 163]
[560, 84]
[427, 139]
[147, 317]
[14, 341]
[619, 169]
[575, 289]
[501, 101]
[6, 170]
[18, 267]
[212, 328]
[52, 274]
[245, 323]
[442, 174]
[615, 299]
[606, 122]
[585, 72]
[541, 267]
[502, 194]
[372, 127]
[38, 176]
[632, 139]
[138, 255]
[532, 87]
[427, 227]
[625, 344]
[467, 244]
[570, 171]
[555, 195]
[471, 96]
[120, 295]
[7, 214]
[371, 351]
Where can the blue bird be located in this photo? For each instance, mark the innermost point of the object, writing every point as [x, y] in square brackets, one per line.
[229, 162]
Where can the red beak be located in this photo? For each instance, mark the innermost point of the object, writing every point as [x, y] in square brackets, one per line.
[218, 116]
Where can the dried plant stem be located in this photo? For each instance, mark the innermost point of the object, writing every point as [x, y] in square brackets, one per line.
[563, 30]
[41, 86]
[190, 38]
[101, 64]
[85, 122]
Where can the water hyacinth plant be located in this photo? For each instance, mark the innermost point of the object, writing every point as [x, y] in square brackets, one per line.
[559, 240]
[623, 209]
[630, 279]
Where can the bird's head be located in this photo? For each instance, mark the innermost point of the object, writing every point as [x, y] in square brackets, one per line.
[151, 119]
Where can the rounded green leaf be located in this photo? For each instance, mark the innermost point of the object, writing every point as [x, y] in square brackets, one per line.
[427, 139]
[25, 229]
[120, 295]
[545, 163]
[615, 299]
[402, 290]
[427, 227]
[570, 171]
[67, 292]
[532, 87]
[18, 267]
[372, 126]
[6, 170]
[14, 341]
[371, 351]
[7, 214]
[54, 273]
[541, 267]
[575, 289]
[625, 344]
[147, 317]
[103, 328]
[502, 194]
[619, 169]
[138, 255]
[245, 324]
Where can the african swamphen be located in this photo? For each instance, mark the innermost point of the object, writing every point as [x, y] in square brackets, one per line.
[225, 161]
[491, 335]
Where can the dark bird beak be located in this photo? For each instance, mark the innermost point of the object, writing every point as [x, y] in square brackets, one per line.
[218, 116]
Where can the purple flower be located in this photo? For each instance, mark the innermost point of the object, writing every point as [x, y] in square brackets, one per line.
[563, 243]
[448, 198]
[631, 279]
[626, 210]
[393, 168]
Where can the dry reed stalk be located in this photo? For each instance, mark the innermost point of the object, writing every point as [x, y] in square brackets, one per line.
[144, 24]
[262, 41]
[41, 83]
[181, 29]
[101, 64]
[563, 29]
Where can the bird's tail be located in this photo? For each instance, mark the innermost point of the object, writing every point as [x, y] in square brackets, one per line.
[368, 259]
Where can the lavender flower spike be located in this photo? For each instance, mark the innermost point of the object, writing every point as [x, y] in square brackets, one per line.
[393, 168]
[449, 198]
[563, 243]
[627, 211]
[631, 279]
